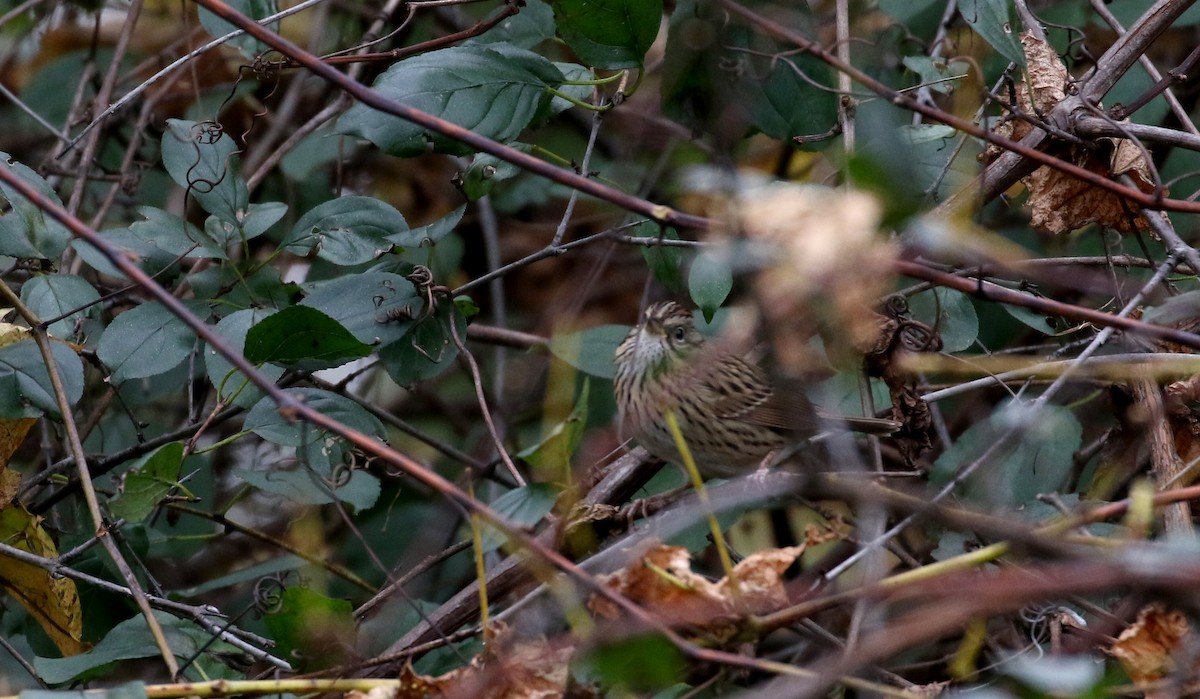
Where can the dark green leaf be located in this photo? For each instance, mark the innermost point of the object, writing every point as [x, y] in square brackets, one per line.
[201, 158]
[990, 20]
[635, 664]
[431, 233]
[358, 489]
[581, 93]
[25, 388]
[775, 100]
[317, 631]
[426, 351]
[148, 256]
[1175, 309]
[1036, 459]
[51, 295]
[1048, 325]
[376, 307]
[147, 340]
[530, 27]
[552, 454]
[609, 34]
[26, 231]
[347, 230]
[523, 507]
[129, 690]
[950, 313]
[665, 261]
[725, 79]
[232, 385]
[936, 73]
[128, 640]
[258, 220]
[301, 333]
[592, 351]
[147, 482]
[495, 94]
[487, 171]
[265, 421]
[174, 235]
[254, 9]
[710, 281]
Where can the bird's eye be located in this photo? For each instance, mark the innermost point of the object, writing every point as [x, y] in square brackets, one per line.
[679, 333]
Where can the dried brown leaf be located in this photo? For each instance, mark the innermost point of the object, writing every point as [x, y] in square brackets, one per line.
[528, 668]
[1061, 203]
[663, 581]
[1145, 648]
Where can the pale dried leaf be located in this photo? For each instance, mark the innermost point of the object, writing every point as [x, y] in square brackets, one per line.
[825, 252]
[760, 579]
[1047, 75]
[1145, 647]
[1061, 203]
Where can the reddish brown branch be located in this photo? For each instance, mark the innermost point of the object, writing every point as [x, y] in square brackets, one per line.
[992, 292]
[362, 93]
[1149, 201]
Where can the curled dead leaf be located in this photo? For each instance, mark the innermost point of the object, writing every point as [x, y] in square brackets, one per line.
[1060, 203]
[828, 265]
[1145, 648]
[663, 581]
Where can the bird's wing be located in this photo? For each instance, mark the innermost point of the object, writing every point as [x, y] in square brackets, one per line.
[738, 390]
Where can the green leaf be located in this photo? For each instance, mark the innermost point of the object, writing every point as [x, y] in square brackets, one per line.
[27, 232]
[493, 93]
[299, 333]
[486, 171]
[1045, 324]
[147, 340]
[426, 351]
[376, 307]
[147, 482]
[201, 158]
[552, 454]
[52, 295]
[722, 78]
[530, 27]
[265, 421]
[25, 389]
[173, 235]
[635, 665]
[665, 261]
[303, 486]
[129, 690]
[523, 507]
[429, 234]
[129, 640]
[346, 230]
[1175, 309]
[231, 384]
[148, 256]
[592, 351]
[257, 220]
[936, 73]
[788, 82]
[583, 93]
[950, 313]
[315, 630]
[990, 20]
[254, 9]
[609, 34]
[710, 281]
[1037, 460]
